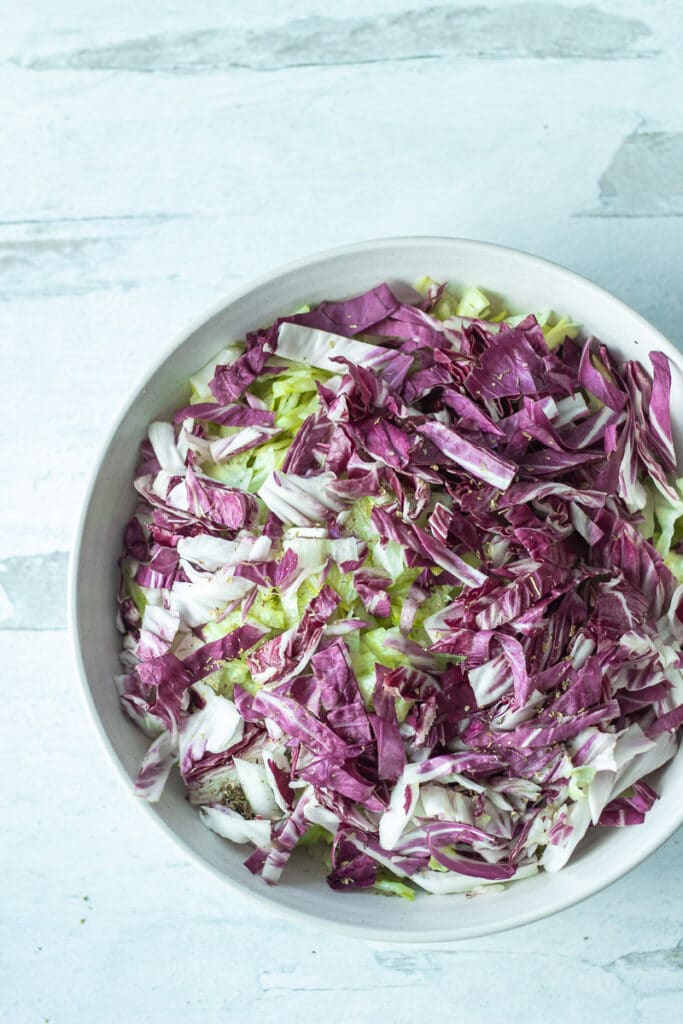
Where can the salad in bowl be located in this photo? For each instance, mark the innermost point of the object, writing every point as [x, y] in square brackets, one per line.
[403, 589]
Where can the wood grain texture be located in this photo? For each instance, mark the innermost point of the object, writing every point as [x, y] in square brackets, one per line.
[539, 31]
[153, 157]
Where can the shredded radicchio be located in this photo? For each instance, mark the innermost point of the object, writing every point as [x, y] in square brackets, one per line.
[405, 587]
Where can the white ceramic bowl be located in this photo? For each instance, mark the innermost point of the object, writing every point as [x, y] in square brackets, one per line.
[527, 283]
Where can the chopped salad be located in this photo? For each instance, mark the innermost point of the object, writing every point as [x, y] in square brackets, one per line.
[403, 588]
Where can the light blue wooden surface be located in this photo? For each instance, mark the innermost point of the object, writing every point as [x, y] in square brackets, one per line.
[154, 155]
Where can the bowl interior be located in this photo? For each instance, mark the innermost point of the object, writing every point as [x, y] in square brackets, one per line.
[527, 283]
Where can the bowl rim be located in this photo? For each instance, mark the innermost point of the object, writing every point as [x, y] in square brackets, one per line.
[367, 932]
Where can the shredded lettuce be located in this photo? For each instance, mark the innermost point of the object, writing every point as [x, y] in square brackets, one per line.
[314, 835]
[389, 885]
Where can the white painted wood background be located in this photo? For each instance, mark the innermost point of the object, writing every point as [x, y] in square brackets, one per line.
[152, 156]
